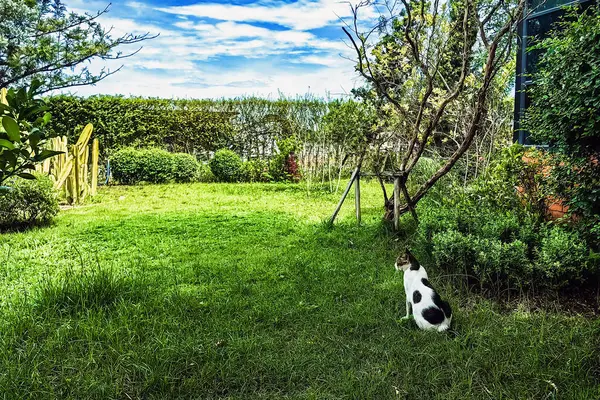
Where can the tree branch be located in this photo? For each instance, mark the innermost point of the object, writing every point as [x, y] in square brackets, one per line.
[481, 101]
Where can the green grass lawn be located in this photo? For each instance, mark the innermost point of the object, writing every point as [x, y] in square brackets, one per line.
[241, 291]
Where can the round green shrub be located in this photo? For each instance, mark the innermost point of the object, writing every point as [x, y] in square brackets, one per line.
[125, 166]
[131, 166]
[185, 168]
[28, 203]
[226, 165]
[205, 174]
[563, 256]
[155, 166]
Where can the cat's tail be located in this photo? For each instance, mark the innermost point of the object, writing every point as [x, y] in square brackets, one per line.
[446, 309]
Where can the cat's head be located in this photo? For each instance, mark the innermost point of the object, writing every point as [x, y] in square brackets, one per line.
[406, 261]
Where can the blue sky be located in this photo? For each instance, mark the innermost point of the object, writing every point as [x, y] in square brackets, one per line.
[227, 48]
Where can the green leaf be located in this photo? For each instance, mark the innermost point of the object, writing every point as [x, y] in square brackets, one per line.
[21, 96]
[11, 158]
[6, 144]
[29, 112]
[12, 128]
[26, 175]
[35, 85]
[5, 189]
[46, 154]
[34, 139]
[5, 109]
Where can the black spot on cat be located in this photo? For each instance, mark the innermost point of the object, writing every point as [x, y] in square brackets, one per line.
[414, 264]
[416, 296]
[425, 282]
[443, 305]
[433, 315]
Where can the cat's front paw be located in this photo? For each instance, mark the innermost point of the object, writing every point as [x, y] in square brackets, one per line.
[406, 318]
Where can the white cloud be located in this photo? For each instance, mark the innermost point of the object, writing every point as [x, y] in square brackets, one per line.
[232, 83]
[236, 39]
[301, 15]
[184, 60]
[327, 60]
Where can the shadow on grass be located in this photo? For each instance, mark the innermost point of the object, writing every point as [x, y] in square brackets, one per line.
[95, 288]
[26, 226]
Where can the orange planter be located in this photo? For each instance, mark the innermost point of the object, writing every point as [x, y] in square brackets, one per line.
[554, 207]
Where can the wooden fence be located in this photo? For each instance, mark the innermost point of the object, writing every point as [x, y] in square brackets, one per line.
[75, 172]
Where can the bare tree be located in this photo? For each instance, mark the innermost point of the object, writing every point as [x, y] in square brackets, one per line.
[423, 55]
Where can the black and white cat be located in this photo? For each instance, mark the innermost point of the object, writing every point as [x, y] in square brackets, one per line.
[429, 310]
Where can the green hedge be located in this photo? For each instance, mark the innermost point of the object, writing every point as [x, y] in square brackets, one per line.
[500, 248]
[185, 168]
[187, 126]
[250, 126]
[226, 165]
[131, 166]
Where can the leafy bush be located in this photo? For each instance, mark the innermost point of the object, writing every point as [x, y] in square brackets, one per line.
[563, 256]
[23, 132]
[125, 166]
[226, 165]
[131, 166]
[155, 166]
[28, 203]
[205, 174]
[565, 114]
[489, 232]
[489, 259]
[185, 168]
[255, 171]
[501, 247]
[283, 166]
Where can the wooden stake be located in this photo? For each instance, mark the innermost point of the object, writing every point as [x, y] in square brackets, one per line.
[339, 206]
[75, 151]
[396, 202]
[95, 151]
[357, 196]
[352, 178]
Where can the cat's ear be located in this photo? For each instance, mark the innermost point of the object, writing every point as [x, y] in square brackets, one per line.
[411, 259]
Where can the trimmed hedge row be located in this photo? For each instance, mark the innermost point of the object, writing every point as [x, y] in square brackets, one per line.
[187, 126]
[496, 246]
[250, 126]
[130, 166]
